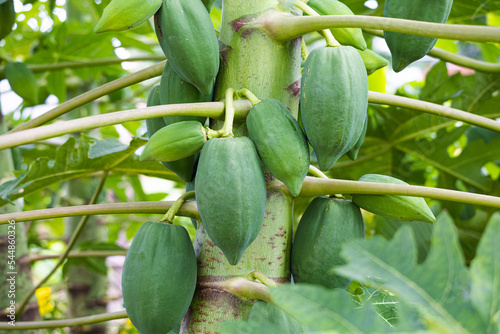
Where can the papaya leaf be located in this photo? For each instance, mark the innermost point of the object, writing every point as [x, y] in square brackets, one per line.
[437, 288]
[105, 147]
[248, 327]
[324, 309]
[485, 275]
[465, 167]
[22, 81]
[71, 162]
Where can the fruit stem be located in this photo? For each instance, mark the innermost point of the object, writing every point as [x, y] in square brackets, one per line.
[303, 51]
[211, 133]
[249, 95]
[227, 129]
[170, 215]
[246, 289]
[257, 275]
[327, 34]
[316, 172]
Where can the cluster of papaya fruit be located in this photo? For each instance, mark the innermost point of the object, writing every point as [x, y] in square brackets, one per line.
[232, 203]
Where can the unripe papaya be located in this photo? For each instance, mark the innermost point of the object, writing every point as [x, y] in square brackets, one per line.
[406, 48]
[159, 277]
[188, 40]
[7, 18]
[175, 141]
[372, 61]
[231, 194]
[333, 101]
[345, 36]
[397, 207]
[184, 168]
[174, 89]
[280, 142]
[326, 224]
[126, 14]
[353, 153]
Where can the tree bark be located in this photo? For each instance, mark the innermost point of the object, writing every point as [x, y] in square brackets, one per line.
[269, 69]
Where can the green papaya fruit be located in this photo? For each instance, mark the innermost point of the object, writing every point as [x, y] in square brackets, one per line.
[406, 48]
[262, 312]
[184, 168]
[326, 224]
[397, 207]
[333, 101]
[353, 153]
[7, 18]
[280, 142]
[175, 141]
[22, 81]
[231, 194]
[345, 36]
[126, 14]
[159, 277]
[372, 61]
[188, 40]
[174, 89]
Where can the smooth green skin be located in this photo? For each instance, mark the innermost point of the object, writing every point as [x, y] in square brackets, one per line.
[7, 18]
[280, 142]
[126, 14]
[333, 101]
[173, 89]
[184, 168]
[372, 61]
[406, 48]
[265, 312]
[188, 40]
[231, 194]
[403, 208]
[175, 141]
[325, 225]
[345, 36]
[353, 153]
[22, 81]
[159, 277]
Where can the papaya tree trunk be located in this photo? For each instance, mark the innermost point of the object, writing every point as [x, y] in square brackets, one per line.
[21, 269]
[269, 69]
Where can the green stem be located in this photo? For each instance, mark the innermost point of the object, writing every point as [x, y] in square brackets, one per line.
[249, 95]
[227, 128]
[246, 289]
[314, 186]
[257, 275]
[80, 100]
[34, 258]
[92, 319]
[283, 27]
[188, 209]
[70, 245]
[327, 34]
[316, 172]
[434, 109]
[450, 57]
[170, 215]
[37, 68]
[212, 133]
[209, 109]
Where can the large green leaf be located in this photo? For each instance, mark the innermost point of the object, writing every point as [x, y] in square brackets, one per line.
[327, 310]
[71, 162]
[485, 275]
[437, 288]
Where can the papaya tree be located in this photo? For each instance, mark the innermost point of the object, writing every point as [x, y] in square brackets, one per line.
[274, 118]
